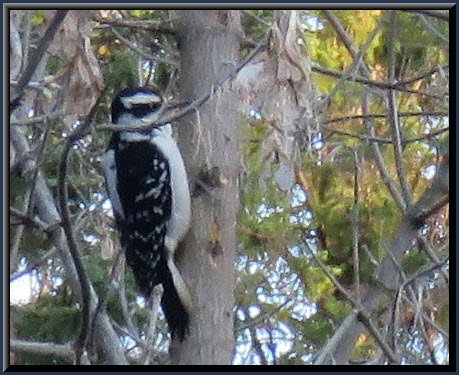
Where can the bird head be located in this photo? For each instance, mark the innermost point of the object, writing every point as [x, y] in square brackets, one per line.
[134, 104]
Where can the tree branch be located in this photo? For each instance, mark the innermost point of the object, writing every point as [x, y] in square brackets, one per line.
[16, 56]
[140, 51]
[39, 52]
[64, 351]
[438, 14]
[163, 26]
[66, 225]
[384, 116]
[387, 179]
[393, 117]
[398, 86]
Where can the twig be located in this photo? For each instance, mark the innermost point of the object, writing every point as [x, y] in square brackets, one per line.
[66, 225]
[39, 52]
[385, 140]
[377, 155]
[355, 222]
[141, 52]
[427, 342]
[63, 351]
[29, 199]
[37, 119]
[361, 315]
[425, 271]
[398, 86]
[347, 41]
[154, 307]
[407, 284]
[356, 64]
[433, 324]
[125, 310]
[160, 26]
[73, 248]
[104, 297]
[124, 331]
[256, 344]
[340, 345]
[382, 115]
[16, 51]
[440, 15]
[262, 317]
[34, 265]
[432, 28]
[363, 318]
[393, 118]
[424, 75]
[425, 246]
[17, 238]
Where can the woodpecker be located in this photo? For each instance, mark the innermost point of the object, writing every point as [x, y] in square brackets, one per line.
[148, 187]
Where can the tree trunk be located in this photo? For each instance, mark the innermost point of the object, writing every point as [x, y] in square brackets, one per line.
[209, 45]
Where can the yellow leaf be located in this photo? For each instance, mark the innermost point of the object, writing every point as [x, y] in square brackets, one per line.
[104, 50]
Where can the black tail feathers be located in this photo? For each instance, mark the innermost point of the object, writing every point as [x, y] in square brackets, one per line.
[177, 316]
[151, 269]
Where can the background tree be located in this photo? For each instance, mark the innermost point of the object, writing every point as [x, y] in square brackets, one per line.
[317, 147]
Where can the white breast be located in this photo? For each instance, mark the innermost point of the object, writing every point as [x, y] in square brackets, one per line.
[178, 224]
[109, 167]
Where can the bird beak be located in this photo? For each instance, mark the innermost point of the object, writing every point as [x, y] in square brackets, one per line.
[177, 106]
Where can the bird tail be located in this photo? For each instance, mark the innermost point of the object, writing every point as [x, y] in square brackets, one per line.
[177, 314]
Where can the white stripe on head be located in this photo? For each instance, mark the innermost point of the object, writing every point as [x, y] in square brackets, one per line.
[141, 98]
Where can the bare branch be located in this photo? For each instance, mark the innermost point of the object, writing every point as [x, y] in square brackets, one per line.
[163, 26]
[424, 75]
[355, 222]
[438, 14]
[64, 351]
[432, 28]
[154, 307]
[35, 264]
[435, 197]
[398, 86]
[363, 318]
[356, 64]
[386, 140]
[16, 51]
[347, 41]
[382, 115]
[33, 221]
[141, 52]
[360, 315]
[66, 225]
[101, 305]
[393, 117]
[39, 52]
[37, 119]
[387, 179]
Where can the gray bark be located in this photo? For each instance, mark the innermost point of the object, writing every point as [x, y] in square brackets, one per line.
[209, 141]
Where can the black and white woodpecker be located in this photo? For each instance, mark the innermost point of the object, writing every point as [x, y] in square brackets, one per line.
[148, 187]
